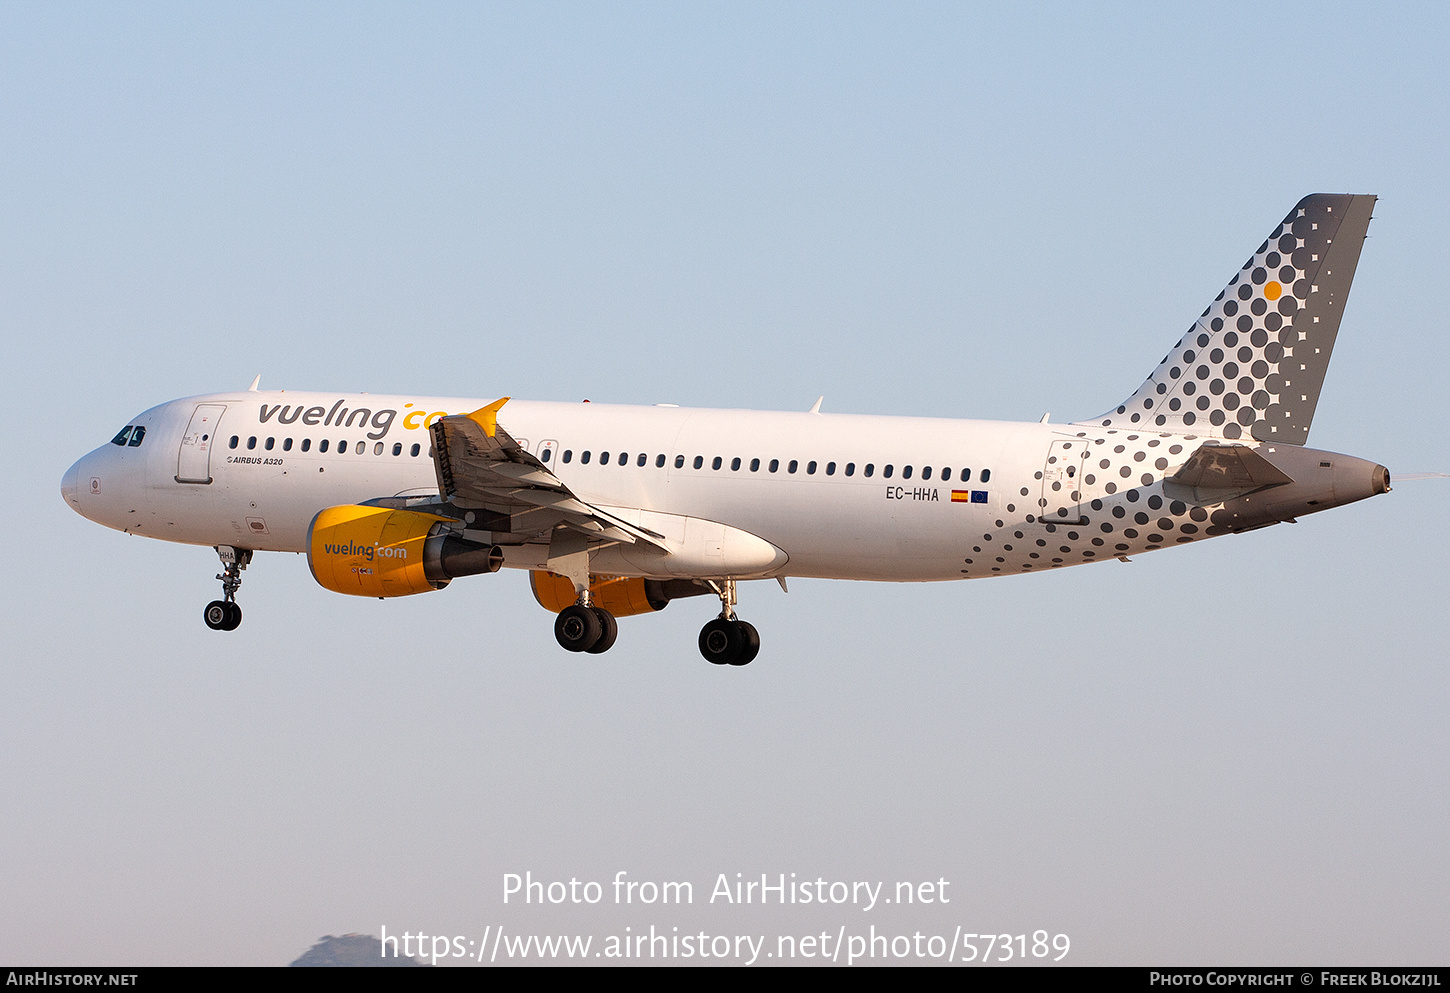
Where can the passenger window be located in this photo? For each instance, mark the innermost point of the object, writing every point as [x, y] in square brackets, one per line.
[286, 444]
[679, 461]
[342, 448]
[624, 458]
[735, 464]
[792, 466]
[810, 468]
[659, 461]
[830, 468]
[966, 475]
[122, 438]
[643, 458]
[699, 461]
[906, 472]
[886, 473]
[251, 443]
[377, 449]
[946, 475]
[398, 449]
[306, 444]
[775, 465]
[568, 455]
[716, 463]
[926, 472]
[416, 450]
[850, 468]
[546, 454]
[986, 474]
[584, 457]
[754, 465]
[136, 436]
[268, 444]
[233, 442]
[870, 470]
[322, 445]
[603, 458]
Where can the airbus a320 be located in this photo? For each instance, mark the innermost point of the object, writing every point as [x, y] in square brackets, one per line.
[618, 510]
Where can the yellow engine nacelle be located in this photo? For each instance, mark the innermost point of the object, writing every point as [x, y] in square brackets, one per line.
[371, 551]
[621, 597]
[382, 552]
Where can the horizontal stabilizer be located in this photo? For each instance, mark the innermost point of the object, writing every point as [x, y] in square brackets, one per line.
[1215, 473]
[1228, 467]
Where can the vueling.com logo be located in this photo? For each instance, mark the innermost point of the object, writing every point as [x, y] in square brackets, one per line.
[366, 551]
[340, 416]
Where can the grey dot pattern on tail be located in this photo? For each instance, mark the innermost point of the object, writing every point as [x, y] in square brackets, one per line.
[1252, 364]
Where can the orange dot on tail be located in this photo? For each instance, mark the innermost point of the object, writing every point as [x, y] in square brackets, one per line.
[1272, 290]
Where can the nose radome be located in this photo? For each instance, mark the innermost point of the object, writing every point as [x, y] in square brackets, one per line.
[70, 486]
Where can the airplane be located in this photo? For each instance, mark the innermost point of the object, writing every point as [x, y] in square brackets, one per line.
[619, 510]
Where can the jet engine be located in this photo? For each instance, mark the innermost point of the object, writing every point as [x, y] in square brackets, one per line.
[621, 596]
[382, 552]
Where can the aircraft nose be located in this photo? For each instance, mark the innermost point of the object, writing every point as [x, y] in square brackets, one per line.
[70, 486]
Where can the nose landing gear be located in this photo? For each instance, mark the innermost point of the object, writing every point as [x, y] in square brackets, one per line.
[224, 614]
[727, 640]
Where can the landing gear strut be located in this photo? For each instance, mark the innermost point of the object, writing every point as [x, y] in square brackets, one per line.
[224, 614]
[582, 627]
[727, 640]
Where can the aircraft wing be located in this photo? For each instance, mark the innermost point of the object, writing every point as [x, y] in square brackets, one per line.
[481, 467]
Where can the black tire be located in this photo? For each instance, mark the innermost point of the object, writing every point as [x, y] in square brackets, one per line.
[750, 639]
[216, 615]
[610, 631]
[234, 621]
[721, 642]
[577, 628]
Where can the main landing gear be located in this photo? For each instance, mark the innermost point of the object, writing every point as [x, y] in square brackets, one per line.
[727, 640]
[224, 614]
[586, 628]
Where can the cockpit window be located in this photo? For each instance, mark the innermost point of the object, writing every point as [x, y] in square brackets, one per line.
[137, 435]
[121, 438]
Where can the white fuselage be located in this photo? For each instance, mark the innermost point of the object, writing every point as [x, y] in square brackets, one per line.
[850, 497]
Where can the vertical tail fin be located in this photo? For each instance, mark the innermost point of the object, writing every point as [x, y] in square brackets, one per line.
[1254, 361]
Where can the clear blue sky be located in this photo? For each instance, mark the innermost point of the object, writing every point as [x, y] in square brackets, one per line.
[1229, 753]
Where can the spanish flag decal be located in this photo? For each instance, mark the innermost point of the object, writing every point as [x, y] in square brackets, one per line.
[961, 496]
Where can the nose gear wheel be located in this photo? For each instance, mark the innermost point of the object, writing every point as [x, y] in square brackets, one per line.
[222, 616]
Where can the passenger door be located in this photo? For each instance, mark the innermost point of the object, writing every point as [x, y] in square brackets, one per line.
[193, 462]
